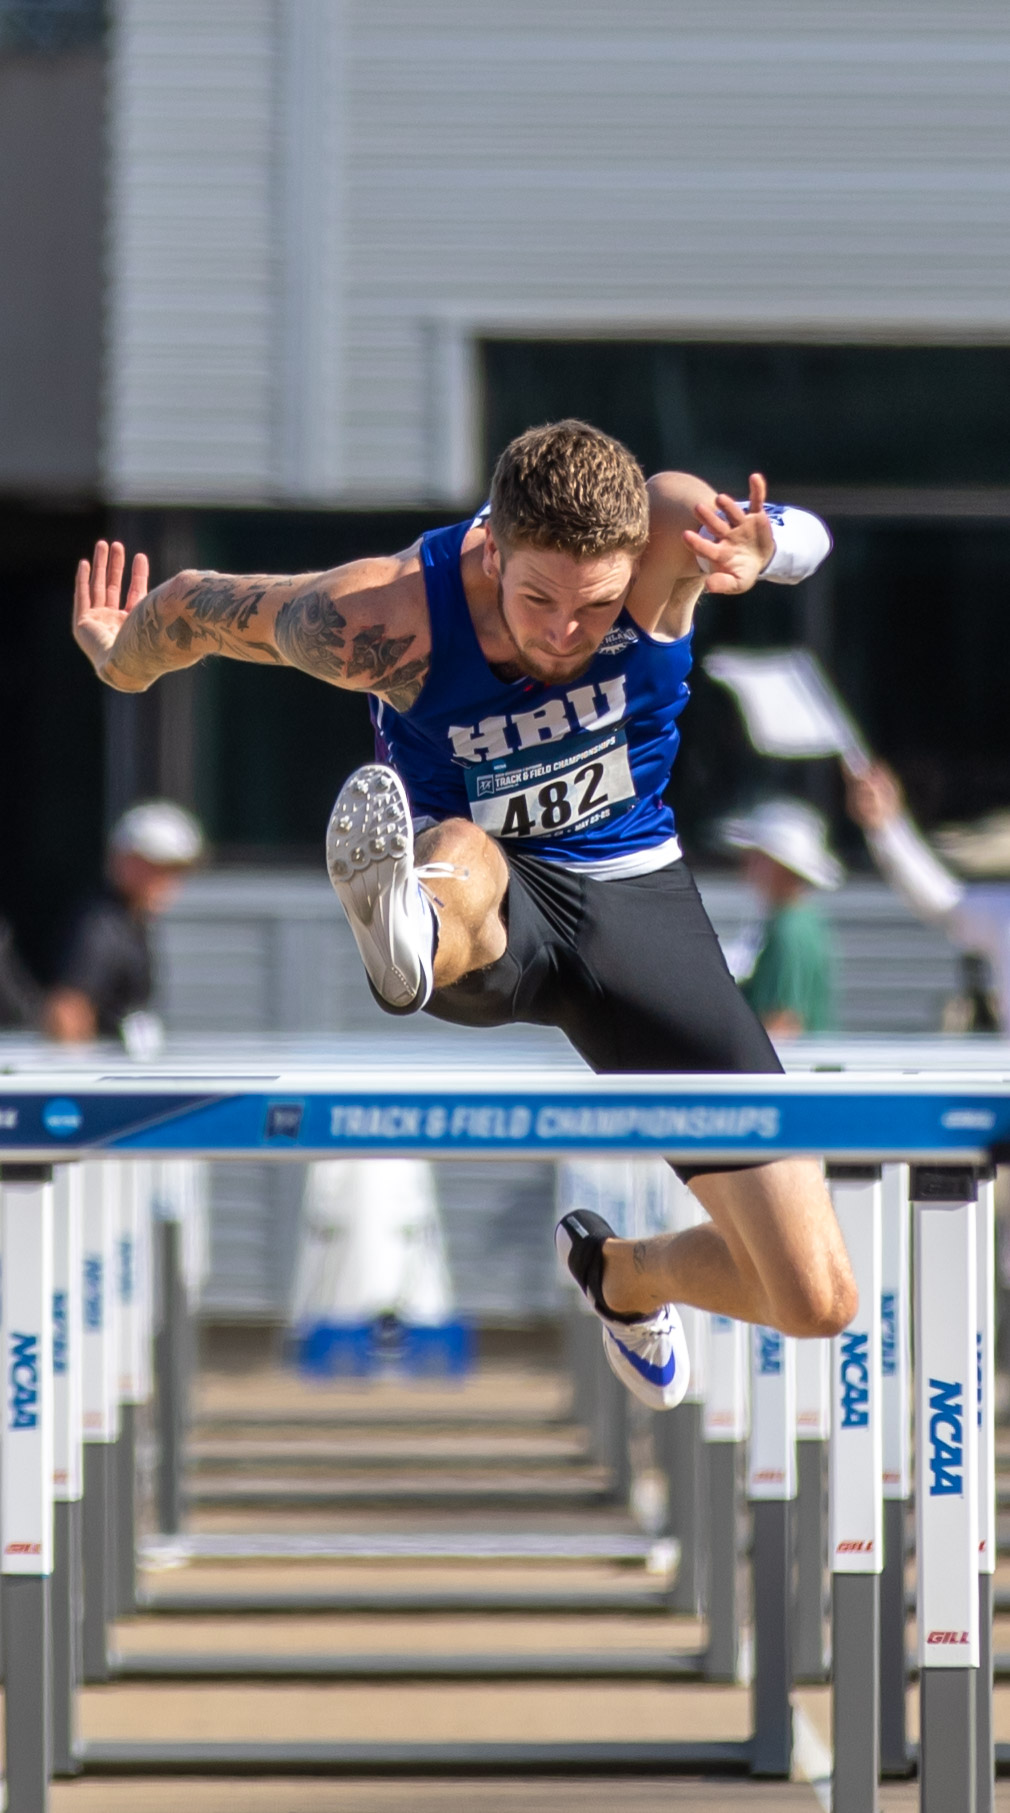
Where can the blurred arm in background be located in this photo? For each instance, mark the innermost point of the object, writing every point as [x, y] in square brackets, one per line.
[975, 918]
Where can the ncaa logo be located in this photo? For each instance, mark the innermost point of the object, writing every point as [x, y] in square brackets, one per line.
[854, 1379]
[23, 1381]
[770, 1352]
[62, 1118]
[94, 1283]
[61, 1332]
[946, 1438]
[889, 1334]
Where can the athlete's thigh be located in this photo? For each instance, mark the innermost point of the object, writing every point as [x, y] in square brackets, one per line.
[657, 993]
[779, 1223]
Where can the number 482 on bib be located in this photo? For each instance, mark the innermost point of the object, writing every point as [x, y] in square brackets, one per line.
[583, 781]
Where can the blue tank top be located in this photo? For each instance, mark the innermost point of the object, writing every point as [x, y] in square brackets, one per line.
[575, 772]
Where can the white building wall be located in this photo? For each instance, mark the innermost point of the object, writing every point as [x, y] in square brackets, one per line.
[191, 260]
[562, 166]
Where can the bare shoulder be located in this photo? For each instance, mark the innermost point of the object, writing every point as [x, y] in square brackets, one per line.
[363, 626]
[669, 579]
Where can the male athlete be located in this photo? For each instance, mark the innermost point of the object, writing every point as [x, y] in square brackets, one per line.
[527, 670]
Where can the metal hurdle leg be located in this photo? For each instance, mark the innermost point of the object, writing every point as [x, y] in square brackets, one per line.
[612, 1427]
[809, 1659]
[724, 1426]
[813, 1421]
[857, 1521]
[772, 1490]
[946, 1463]
[722, 1660]
[125, 1517]
[896, 1377]
[170, 1367]
[66, 1609]
[682, 1455]
[894, 1755]
[27, 1487]
[95, 1518]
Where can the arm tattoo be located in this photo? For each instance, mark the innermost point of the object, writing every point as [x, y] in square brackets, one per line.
[403, 687]
[639, 1256]
[309, 635]
[212, 616]
[137, 650]
[217, 612]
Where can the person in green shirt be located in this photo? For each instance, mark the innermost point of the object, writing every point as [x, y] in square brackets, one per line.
[786, 965]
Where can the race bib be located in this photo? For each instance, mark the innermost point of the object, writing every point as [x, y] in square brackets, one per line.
[557, 790]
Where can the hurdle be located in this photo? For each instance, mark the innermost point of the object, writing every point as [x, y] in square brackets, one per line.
[947, 1127]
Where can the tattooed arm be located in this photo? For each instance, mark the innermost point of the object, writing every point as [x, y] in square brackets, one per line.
[362, 626]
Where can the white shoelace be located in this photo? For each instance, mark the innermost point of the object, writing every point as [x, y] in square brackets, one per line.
[433, 871]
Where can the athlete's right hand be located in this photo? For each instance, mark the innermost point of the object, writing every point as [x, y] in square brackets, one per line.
[99, 608]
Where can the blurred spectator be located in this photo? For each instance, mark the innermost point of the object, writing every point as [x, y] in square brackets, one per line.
[975, 917]
[20, 997]
[106, 978]
[785, 963]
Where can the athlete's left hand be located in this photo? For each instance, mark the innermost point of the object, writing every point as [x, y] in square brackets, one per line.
[742, 543]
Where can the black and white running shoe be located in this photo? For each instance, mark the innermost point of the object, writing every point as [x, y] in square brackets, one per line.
[370, 859]
[648, 1353]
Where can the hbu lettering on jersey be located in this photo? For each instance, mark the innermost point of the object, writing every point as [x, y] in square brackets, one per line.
[946, 1438]
[23, 1380]
[854, 1378]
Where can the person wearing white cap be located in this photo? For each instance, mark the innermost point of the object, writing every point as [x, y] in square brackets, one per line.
[106, 977]
[785, 967]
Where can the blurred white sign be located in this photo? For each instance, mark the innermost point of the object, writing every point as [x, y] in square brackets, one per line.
[788, 705]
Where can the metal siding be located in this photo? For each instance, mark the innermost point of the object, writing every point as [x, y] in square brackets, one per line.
[191, 258]
[840, 171]
[576, 165]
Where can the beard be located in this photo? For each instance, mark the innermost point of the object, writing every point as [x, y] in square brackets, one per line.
[536, 664]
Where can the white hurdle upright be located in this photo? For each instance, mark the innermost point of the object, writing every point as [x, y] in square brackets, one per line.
[100, 1345]
[132, 1370]
[26, 1496]
[896, 1402]
[946, 1483]
[856, 1517]
[985, 1242]
[68, 1463]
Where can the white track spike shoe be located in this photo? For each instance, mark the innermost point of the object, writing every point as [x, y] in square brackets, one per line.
[648, 1353]
[370, 858]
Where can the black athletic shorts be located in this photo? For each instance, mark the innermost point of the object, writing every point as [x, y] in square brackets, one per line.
[630, 969]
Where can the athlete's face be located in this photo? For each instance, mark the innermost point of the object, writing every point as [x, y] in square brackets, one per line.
[556, 609]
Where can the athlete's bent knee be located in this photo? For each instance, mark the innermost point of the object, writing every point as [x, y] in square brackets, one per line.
[818, 1305]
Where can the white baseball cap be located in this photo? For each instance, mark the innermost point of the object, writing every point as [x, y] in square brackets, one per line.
[160, 832]
[794, 834]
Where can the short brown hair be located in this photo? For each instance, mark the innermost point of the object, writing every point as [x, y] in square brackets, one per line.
[569, 486]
